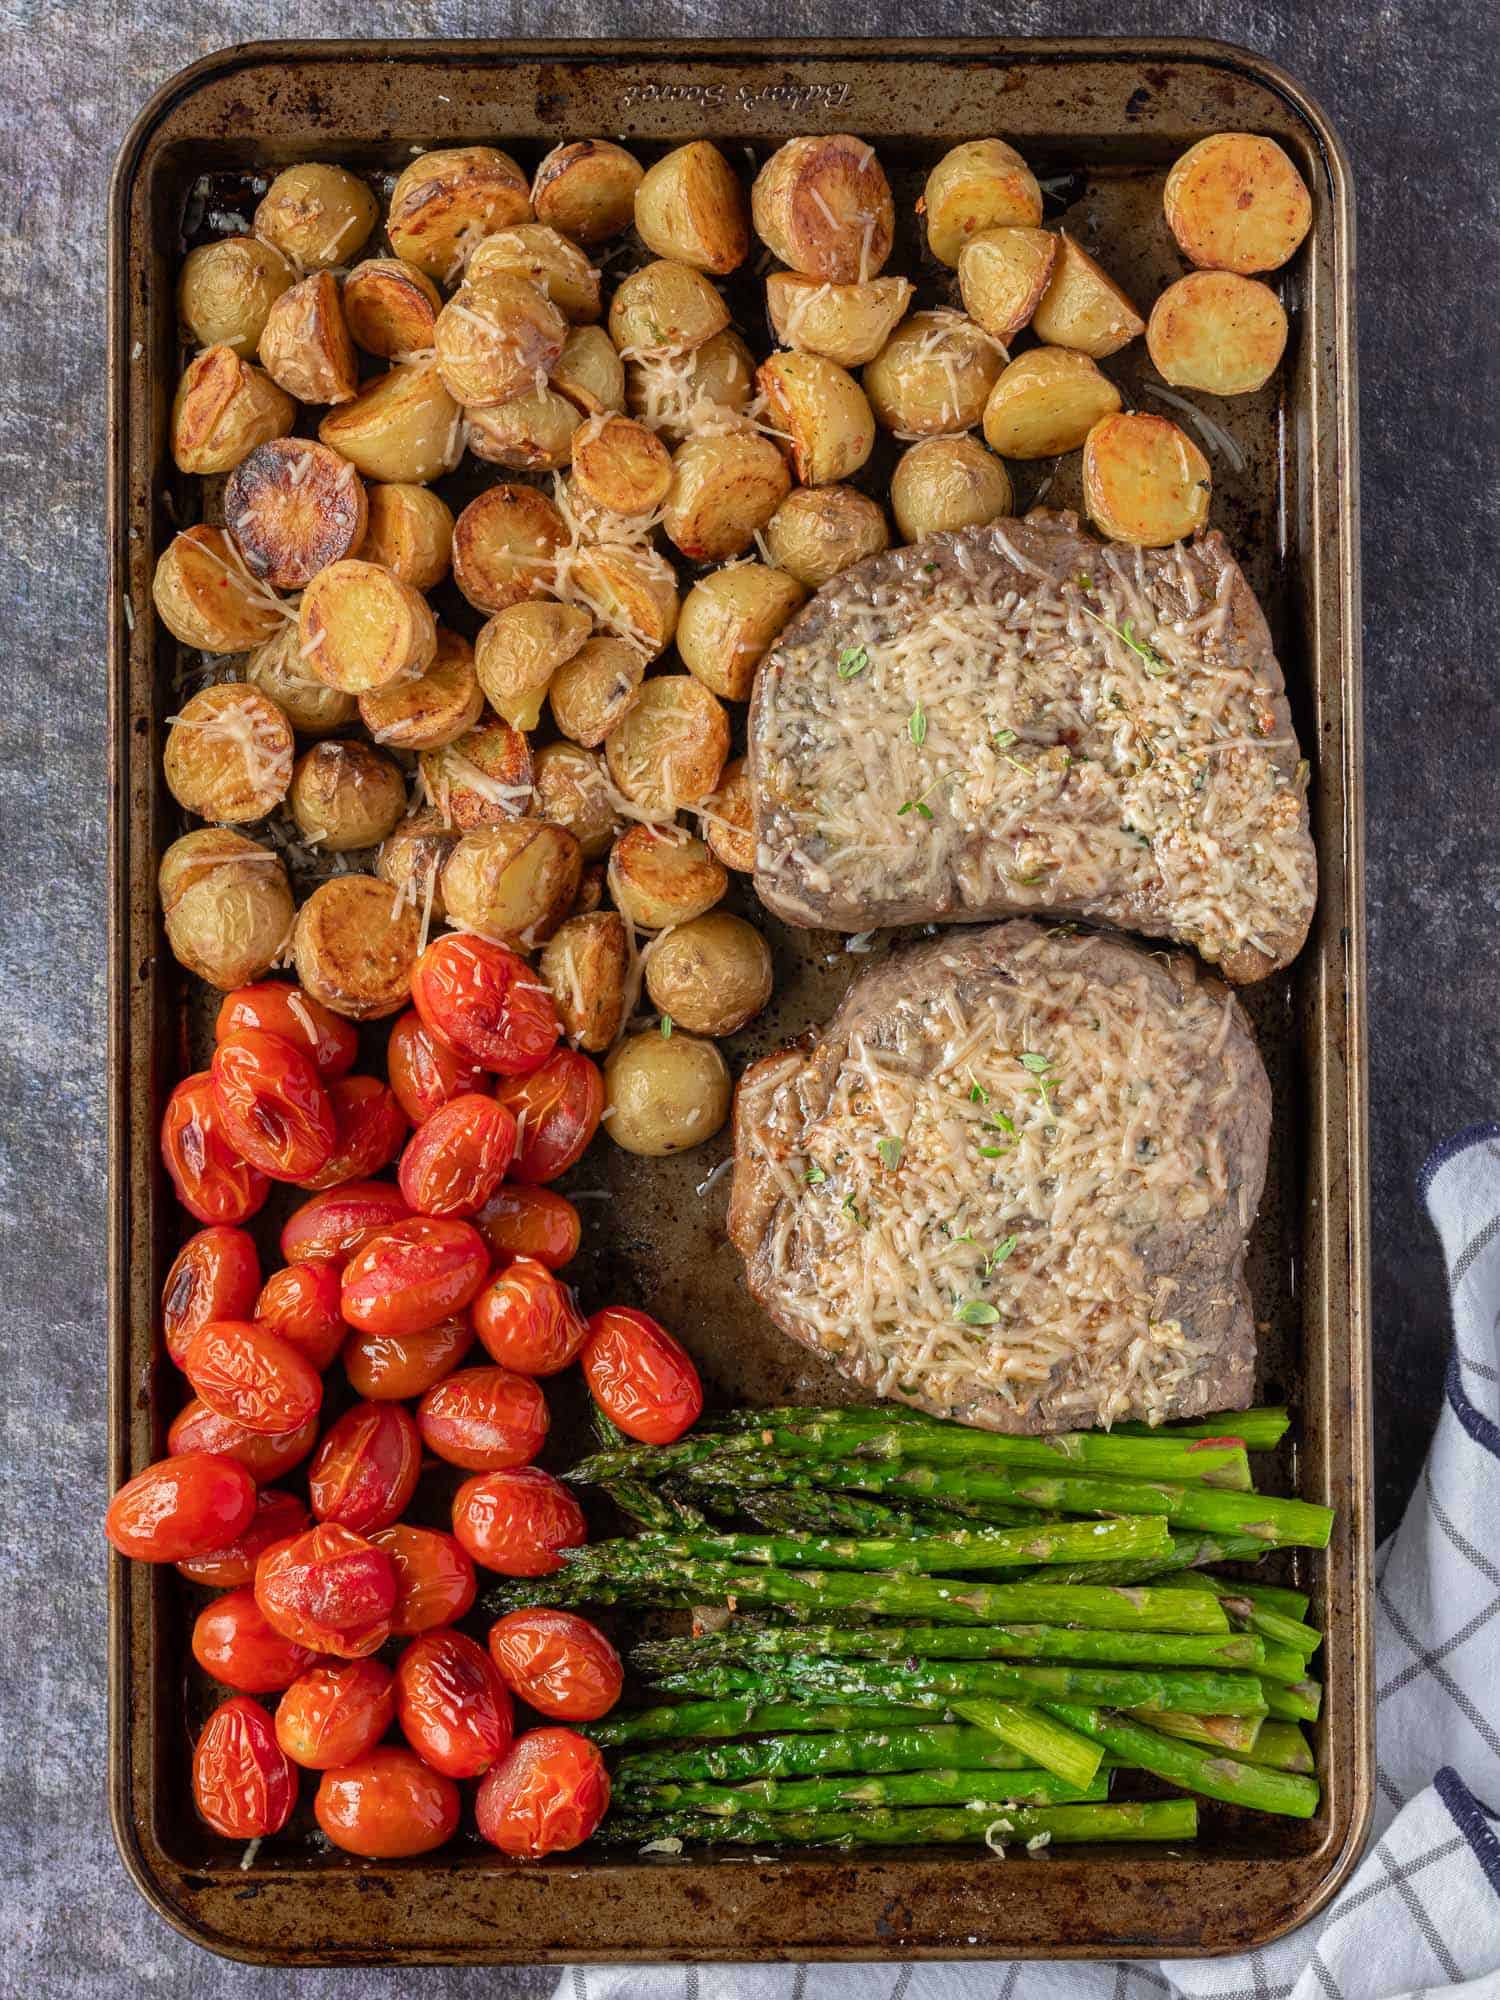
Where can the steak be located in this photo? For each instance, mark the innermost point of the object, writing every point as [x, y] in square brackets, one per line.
[1011, 1182]
[1018, 718]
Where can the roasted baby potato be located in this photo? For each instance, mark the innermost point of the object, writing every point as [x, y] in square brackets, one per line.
[279, 671]
[947, 482]
[390, 307]
[559, 269]
[294, 507]
[663, 875]
[711, 975]
[228, 754]
[206, 597]
[822, 410]
[586, 965]
[1217, 331]
[497, 338]
[724, 487]
[632, 593]
[983, 184]
[620, 466]
[665, 308]
[504, 542]
[1045, 402]
[1144, 480]
[345, 796]
[1002, 274]
[664, 1093]
[674, 393]
[223, 409]
[848, 324]
[589, 371]
[514, 883]
[403, 426]
[305, 348]
[363, 628]
[933, 375]
[316, 215]
[690, 207]
[819, 531]
[823, 205]
[586, 190]
[226, 290]
[482, 778]
[728, 818]
[573, 790]
[519, 650]
[226, 905]
[590, 895]
[409, 532]
[532, 433]
[354, 946]
[1082, 307]
[731, 617]
[670, 747]
[1235, 202]
[446, 201]
[595, 688]
[411, 860]
[434, 708]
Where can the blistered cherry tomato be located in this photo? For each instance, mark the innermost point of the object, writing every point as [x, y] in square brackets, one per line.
[557, 1111]
[328, 1589]
[453, 1707]
[414, 1274]
[365, 1470]
[640, 1377]
[483, 1419]
[198, 1428]
[558, 1663]
[548, 1795]
[276, 1109]
[455, 1159]
[531, 1222]
[336, 1711]
[389, 1367]
[515, 1521]
[334, 1225]
[212, 1181]
[234, 1641]
[485, 1002]
[277, 1007]
[243, 1782]
[369, 1126]
[426, 1072]
[528, 1321]
[246, 1372]
[386, 1805]
[215, 1275]
[181, 1507]
[435, 1581]
[300, 1304]
[277, 1516]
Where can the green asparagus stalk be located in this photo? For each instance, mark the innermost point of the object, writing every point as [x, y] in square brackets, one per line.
[1156, 1819]
[1272, 1597]
[1254, 1785]
[1300, 1702]
[1236, 1734]
[908, 1643]
[1187, 1553]
[988, 1790]
[803, 1508]
[918, 1745]
[1049, 1743]
[738, 1716]
[1249, 1611]
[1280, 1663]
[1281, 1745]
[1258, 1430]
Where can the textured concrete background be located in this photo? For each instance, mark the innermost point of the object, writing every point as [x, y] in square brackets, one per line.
[1411, 85]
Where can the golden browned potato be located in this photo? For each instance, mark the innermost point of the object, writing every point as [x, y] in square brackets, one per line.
[620, 466]
[1083, 307]
[345, 796]
[1144, 480]
[819, 531]
[228, 754]
[675, 393]
[520, 649]
[728, 818]
[1235, 202]
[226, 905]
[317, 215]
[670, 747]
[590, 895]
[711, 975]
[532, 433]
[223, 409]
[632, 593]
[354, 946]
[589, 371]
[390, 307]
[691, 207]
[983, 184]
[482, 778]
[363, 628]
[731, 617]
[1002, 274]
[557, 268]
[823, 205]
[514, 883]
[206, 597]
[279, 671]
[403, 426]
[305, 348]
[821, 411]
[411, 859]
[595, 688]
[664, 1093]
[504, 543]
[665, 308]
[435, 708]
[947, 482]
[663, 875]
[497, 338]
[573, 790]
[294, 507]
[1217, 331]
[933, 375]
[848, 324]
[586, 190]
[724, 487]
[446, 202]
[409, 532]
[1046, 402]
[227, 288]
[586, 964]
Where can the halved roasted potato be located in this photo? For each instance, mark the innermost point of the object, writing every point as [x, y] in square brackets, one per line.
[729, 620]
[933, 374]
[1144, 480]
[595, 688]
[514, 883]
[727, 817]
[848, 324]
[206, 597]
[436, 707]
[411, 859]
[586, 189]
[620, 466]
[223, 409]
[663, 875]
[1217, 331]
[1083, 307]
[519, 650]
[982, 184]
[573, 790]
[481, 778]
[665, 308]
[294, 507]
[679, 394]
[559, 269]
[226, 905]
[1235, 202]
[228, 754]
[664, 1093]
[823, 205]
[632, 593]
[589, 371]
[497, 338]
[447, 201]
[586, 966]
[531, 433]
[590, 895]
[947, 482]
[354, 946]
[1045, 402]
[403, 426]
[691, 207]
[504, 543]
[317, 215]
[305, 347]
[670, 747]
[390, 307]
[711, 975]
[278, 669]
[363, 628]
[226, 289]
[345, 796]
[724, 487]
[819, 531]
[1002, 274]
[409, 532]
[821, 411]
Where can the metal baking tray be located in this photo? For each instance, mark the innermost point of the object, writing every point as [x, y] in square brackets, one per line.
[1100, 121]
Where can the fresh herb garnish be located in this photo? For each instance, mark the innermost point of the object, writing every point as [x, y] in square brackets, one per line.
[890, 1153]
[915, 806]
[999, 1254]
[850, 1207]
[1153, 662]
[1004, 738]
[1004, 1124]
[977, 1312]
[815, 1175]
[853, 660]
[666, 1027]
[1038, 1065]
[977, 1092]
[916, 725]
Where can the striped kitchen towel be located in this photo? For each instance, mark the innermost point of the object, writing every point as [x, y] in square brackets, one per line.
[1421, 1915]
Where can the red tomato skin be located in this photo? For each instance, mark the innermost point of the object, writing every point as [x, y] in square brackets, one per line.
[557, 1109]
[486, 1003]
[335, 1712]
[198, 1428]
[424, 1071]
[414, 1274]
[211, 1179]
[300, 1304]
[484, 1419]
[233, 1641]
[515, 1520]
[557, 1663]
[244, 1784]
[277, 1516]
[534, 1222]
[546, 1797]
[526, 1319]
[215, 1275]
[453, 1707]
[337, 1223]
[435, 1580]
[275, 1107]
[387, 1805]
[391, 1367]
[246, 1372]
[641, 1378]
[365, 1471]
[457, 1157]
[180, 1507]
[277, 1007]
[329, 1589]
[369, 1127]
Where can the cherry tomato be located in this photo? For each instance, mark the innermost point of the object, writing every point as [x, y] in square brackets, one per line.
[640, 1377]
[516, 1520]
[233, 1641]
[435, 1581]
[485, 1002]
[557, 1111]
[484, 1419]
[426, 1072]
[277, 1516]
[328, 1589]
[414, 1274]
[531, 1222]
[336, 1711]
[334, 1225]
[558, 1663]
[527, 1320]
[215, 1275]
[243, 1783]
[547, 1796]
[456, 1158]
[369, 1127]
[276, 1109]
[198, 1428]
[246, 1372]
[365, 1470]
[386, 1805]
[276, 1007]
[180, 1507]
[453, 1707]
[389, 1367]
[300, 1304]
[211, 1179]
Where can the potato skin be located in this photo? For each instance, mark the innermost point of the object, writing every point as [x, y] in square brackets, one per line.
[409, 531]
[500, 755]
[411, 860]
[226, 289]
[1002, 274]
[279, 671]
[823, 205]
[447, 200]
[586, 964]
[848, 324]
[1235, 202]
[589, 371]
[228, 754]
[728, 817]
[1083, 307]
[390, 307]
[226, 906]
[495, 338]
[710, 975]
[593, 690]
[664, 1093]
[1046, 401]
[294, 507]
[632, 593]
[723, 488]
[546, 259]
[346, 796]
[1144, 480]
[690, 207]
[532, 433]
[982, 184]
[730, 619]
[432, 709]
[519, 650]
[403, 426]
[514, 883]
[620, 466]
[586, 189]
[573, 790]
[933, 375]
[670, 748]
[663, 875]
[819, 531]
[823, 410]
[317, 215]
[1217, 331]
[354, 947]
[665, 307]
[223, 409]
[206, 597]
[943, 483]
[363, 628]
[668, 392]
[503, 542]
[305, 347]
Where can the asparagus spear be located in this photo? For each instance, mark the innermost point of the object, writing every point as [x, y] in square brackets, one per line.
[1237, 1734]
[1281, 1745]
[1156, 1819]
[1256, 1785]
[1258, 1430]
[737, 1716]
[1248, 1609]
[803, 1508]
[908, 1643]
[1280, 1663]
[1187, 1552]
[917, 1745]
[1049, 1743]
[976, 1790]
[1300, 1702]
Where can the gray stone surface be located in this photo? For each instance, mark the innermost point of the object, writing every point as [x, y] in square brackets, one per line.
[1410, 83]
